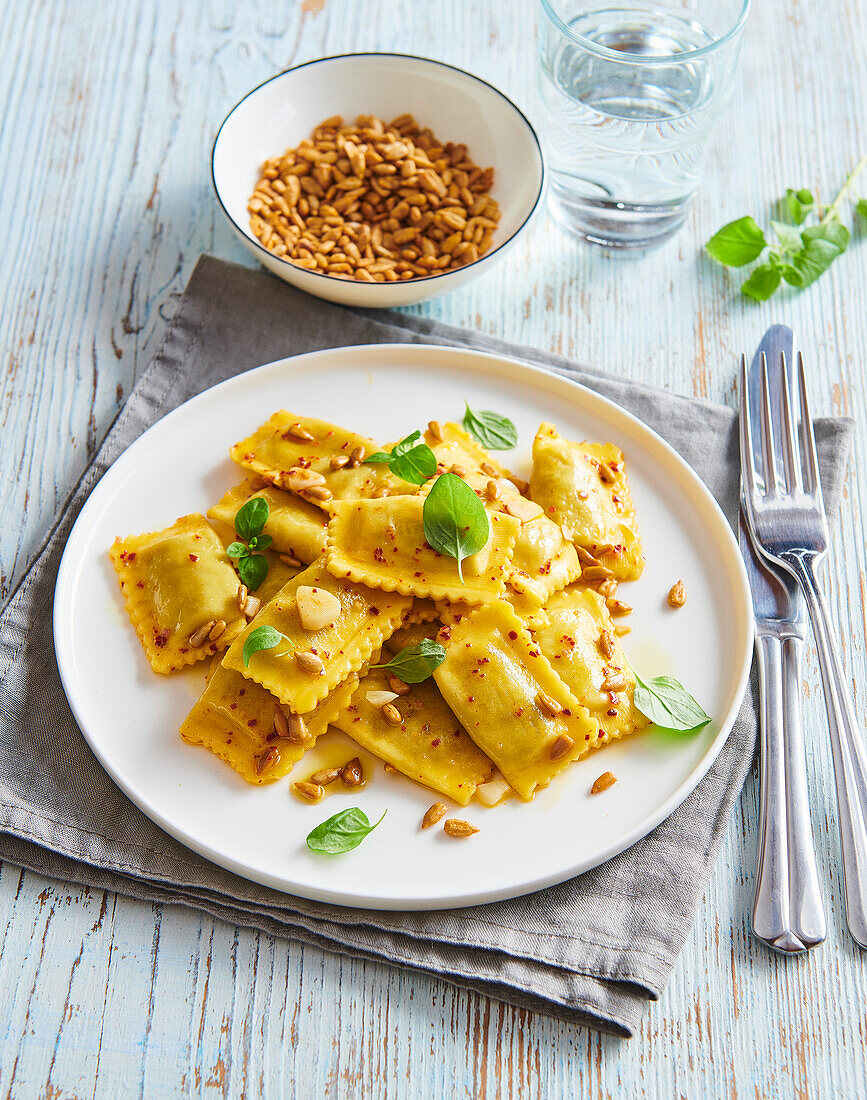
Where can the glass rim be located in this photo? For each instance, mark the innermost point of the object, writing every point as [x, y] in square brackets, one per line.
[646, 59]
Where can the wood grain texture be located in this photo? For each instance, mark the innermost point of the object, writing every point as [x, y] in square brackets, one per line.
[105, 203]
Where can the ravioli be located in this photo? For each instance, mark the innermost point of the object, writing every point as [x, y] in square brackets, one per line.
[583, 488]
[429, 746]
[173, 583]
[280, 445]
[234, 719]
[497, 682]
[296, 527]
[580, 643]
[543, 561]
[382, 543]
[366, 619]
[457, 447]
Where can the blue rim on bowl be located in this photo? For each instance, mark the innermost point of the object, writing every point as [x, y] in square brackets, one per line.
[411, 57]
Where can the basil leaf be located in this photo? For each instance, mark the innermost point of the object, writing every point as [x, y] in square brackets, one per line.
[799, 204]
[237, 550]
[380, 457]
[815, 258]
[762, 283]
[406, 444]
[263, 637]
[492, 430]
[455, 521]
[738, 243]
[416, 465]
[668, 704]
[861, 207]
[341, 833]
[260, 542]
[251, 518]
[831, 231]
[791, 274]
[415, 663]
[787, 235]
[253, 569]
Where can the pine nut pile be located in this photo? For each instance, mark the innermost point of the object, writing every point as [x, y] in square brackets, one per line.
[375, 202]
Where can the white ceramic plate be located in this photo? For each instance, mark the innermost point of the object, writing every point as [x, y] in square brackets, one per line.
[456, 105]
[130, 715]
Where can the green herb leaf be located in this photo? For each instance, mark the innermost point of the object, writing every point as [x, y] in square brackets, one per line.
[738, 243]
[455, 520]
[252, 569]
[762, 282]
[260, 542]
[263, 637]
[668, 704]
[341, 833]
[492, 430]
[814, 259]
[415, 663]
[791, 274]
[831, 231]
[251, 517]
[237, 549]
[787, 235]
[799, 204]
[861, 207]
[409, 460]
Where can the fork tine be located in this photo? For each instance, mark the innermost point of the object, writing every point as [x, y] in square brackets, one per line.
[767, 433]
[791, 454]
[812, 484]
[748, 465]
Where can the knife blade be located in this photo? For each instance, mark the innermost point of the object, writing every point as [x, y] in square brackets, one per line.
[788, 913]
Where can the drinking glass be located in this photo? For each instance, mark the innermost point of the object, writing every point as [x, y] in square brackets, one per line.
[630, 94]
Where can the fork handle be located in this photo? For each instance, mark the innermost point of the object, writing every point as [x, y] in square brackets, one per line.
[848, 750]
[788, 914]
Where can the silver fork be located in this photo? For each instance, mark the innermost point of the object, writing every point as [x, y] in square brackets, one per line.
[787, 517]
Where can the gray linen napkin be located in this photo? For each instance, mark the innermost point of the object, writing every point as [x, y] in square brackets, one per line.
[592, 950]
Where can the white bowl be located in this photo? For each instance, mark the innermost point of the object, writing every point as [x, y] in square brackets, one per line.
[458, 107]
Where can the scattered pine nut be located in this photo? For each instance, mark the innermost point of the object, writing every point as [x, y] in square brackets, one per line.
[454, 826]
[492, 491]
[356, 456]
[391, 714]
[677, 595]
[267, 759]
[351, 774]
[217, 630]
[436, 431]
[287, 559]
[310, 792]
[549, 705]
[433, 814]
[338, 462]
[297, 432]
[606, 780]
[398, 686]
[324, 776]
[200, 636]
[242, 596]
[560, 747]
[309, 662]
[607, 644]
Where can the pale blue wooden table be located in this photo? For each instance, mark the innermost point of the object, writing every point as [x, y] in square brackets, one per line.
[109, 111]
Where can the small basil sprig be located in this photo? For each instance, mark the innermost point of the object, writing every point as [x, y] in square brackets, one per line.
[415, 663]
[667, 703]
[263, 637]
[341, 833]
[409, 460]
[455, 521]
[798, 255]
[492, 430]
[250, 521]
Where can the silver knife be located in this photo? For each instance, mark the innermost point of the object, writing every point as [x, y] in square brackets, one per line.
[788, 914]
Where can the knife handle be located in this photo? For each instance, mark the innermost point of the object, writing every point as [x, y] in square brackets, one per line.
[788, 914]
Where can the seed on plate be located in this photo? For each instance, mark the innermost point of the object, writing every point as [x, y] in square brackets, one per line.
[457, 469]
[488, 469]
[281, 726]
[398, 686]
[614, 682]
[351, 774]
[251, 606]
[606, 475]
[585, 557]
[338, 462]
[324, 776]
[523, 509]
[217, 630]
[436, 431]
[267, 759]
[592, 573]
[560, 747]
[356, 456]
[200, 636]
[380, 698]
[618, 607]
[492, 490]
[607, 588]
[298, 732]
[607, 645]
[391, 714]
[521, 485]
[677, 595]
[551, 706]
[242, 596]
[310, 792]
[309, 662]
[433, 814]
[606, 780]
[297, 432]
[318, 492]
[287, 559]
[454, 826]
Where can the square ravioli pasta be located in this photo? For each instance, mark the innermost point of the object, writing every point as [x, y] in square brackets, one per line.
[316, 460]
[296, 527]
[583, 488]
[510, 700]
[306, 664]
[175, 583]
[579, 640]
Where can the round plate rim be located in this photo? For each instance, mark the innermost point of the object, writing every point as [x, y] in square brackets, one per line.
[499, 366]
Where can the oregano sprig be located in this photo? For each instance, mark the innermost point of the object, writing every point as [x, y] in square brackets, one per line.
[250, 521]
[799, 252]
[409, 460]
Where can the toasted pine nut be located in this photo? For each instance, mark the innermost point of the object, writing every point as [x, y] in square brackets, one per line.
[217, 630]
[551, 706]
[560, 747]
[398, 686]
[454, 826]
[324, 776]
[200, 636]
[267, 759]
[488, 469]
[433, 814]
[356, 456]
[338, 462]
[318, 492]
[287, 559]
[242, 596]
[310, 792]
[309, 662]
[436, 434]
[391, 714]
[677, 595]
[492, 491]
[297, 432]
[351, 774]
[606, 780]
